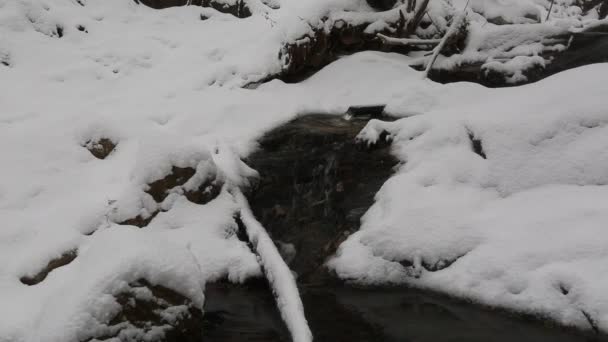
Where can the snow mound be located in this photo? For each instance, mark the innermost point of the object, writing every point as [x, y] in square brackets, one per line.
[507, 11]
[499, 200]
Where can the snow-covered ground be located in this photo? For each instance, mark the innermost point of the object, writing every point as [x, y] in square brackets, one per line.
[524, 225]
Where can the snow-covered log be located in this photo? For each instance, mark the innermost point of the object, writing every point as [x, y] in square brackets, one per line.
[278, 274]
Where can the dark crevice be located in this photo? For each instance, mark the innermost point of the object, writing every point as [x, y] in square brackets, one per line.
[591, 321]
[63, 260]
[139, 221]
[59, 31]
[241, 232]
[367, 112]
[205, 193]
[382, 5]
[476, 145]
[236, 8]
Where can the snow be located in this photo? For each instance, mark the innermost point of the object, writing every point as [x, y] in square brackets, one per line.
[510, 11]
[167, 88]
[515, 67]
[511, 230]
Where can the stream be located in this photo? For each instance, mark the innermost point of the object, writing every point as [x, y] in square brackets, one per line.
[316, 182]
[341, 313]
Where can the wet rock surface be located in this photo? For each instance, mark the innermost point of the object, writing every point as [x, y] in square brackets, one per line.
[315, 184]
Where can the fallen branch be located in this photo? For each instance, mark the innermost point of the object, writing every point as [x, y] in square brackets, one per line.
[458, 20]
[278, 274]
[407, 41]
[550, 9]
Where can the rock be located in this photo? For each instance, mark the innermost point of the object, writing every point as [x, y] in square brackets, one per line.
[159, 189]
[148, 309]
[242, 312]
[63, 260]
[101, 148]
[205, 193]
[139, 221]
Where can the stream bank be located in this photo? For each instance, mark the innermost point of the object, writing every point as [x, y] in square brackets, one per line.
[315, 184]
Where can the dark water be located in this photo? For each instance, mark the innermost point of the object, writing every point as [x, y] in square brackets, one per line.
[348, 314]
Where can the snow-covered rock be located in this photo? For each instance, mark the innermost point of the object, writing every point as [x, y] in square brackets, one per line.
[499, 200]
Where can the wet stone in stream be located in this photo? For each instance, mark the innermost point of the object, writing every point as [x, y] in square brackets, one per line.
[315, 184]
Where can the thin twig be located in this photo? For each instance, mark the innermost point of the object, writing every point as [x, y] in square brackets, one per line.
[550, 8]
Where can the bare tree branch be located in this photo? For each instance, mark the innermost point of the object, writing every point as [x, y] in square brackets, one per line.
[415, 21]
[407, 41]
[456, 22]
